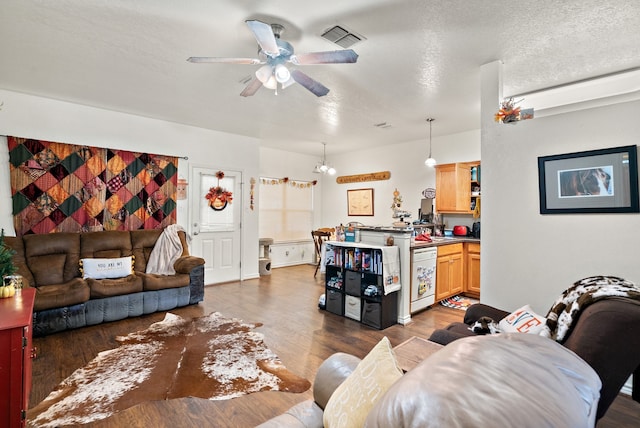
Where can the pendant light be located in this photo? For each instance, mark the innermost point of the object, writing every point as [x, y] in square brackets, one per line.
[323, 168]
[430, 162]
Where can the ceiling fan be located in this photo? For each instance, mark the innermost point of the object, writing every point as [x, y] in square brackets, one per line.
[274, 53]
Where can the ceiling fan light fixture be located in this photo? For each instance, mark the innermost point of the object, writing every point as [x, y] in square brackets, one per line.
[271, 82]
[331, 171]
[288, 83]
[264, 73]
[282, 73]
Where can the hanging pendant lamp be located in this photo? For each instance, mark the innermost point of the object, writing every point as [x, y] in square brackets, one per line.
[430, 162]
[323, 168]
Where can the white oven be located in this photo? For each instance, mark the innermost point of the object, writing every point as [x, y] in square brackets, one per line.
[423, 277]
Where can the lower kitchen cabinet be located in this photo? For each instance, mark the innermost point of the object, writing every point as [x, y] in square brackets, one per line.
[472, 288]
[449, 271]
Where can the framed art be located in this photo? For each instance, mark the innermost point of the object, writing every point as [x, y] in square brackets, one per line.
[360, 202]
[596, 181]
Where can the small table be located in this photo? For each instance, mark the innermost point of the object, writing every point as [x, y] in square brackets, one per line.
[413, 350]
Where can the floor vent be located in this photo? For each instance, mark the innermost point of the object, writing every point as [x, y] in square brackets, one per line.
[342, 37]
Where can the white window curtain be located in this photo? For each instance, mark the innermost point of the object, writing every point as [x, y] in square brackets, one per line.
[286, 209]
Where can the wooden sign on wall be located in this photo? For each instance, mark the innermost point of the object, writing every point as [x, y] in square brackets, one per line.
[359, 178]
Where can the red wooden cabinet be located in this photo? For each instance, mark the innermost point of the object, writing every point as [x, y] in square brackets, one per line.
[16, 314]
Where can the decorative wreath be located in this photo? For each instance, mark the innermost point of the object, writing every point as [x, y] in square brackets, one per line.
[508, 112]
[218, 196]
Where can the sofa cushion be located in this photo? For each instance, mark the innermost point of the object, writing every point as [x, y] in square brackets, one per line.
[49, 269]
[142, 243]
[522, 320]
[509, 379]
[106, 268]
[114, 287]
[58, 295]
[108, 244]
[359, 393]
[151, 281]
[52, 258]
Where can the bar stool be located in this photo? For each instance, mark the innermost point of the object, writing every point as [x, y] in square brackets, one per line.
[319, 236]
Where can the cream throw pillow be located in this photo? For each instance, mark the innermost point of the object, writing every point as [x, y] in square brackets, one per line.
[106, 268]
[351, 402]
[522, 320]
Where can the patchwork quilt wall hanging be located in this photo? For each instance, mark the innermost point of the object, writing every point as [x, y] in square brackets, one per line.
[59, 187]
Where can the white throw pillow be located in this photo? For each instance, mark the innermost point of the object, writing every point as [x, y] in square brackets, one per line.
[352, 401]
[106, 268]
[522, 320]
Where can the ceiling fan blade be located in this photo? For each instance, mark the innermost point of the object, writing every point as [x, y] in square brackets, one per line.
[328, 57]
[251, 88]
[265, 37]
[199, 59]
[317, 88]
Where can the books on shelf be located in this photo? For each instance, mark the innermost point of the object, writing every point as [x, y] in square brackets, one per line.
[359, 259]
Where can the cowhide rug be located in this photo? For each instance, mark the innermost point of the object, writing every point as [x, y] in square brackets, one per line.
[211, 357]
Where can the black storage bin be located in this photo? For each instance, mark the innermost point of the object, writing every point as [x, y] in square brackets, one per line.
[352, 283]
[380, 314]
[335, 302]
[371, 314]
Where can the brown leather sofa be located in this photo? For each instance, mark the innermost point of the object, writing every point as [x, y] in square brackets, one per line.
[64, 299]
[511, 379]
[605, 336]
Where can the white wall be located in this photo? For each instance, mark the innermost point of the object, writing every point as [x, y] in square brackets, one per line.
[408, 174]
[531, 258]
[36, 117]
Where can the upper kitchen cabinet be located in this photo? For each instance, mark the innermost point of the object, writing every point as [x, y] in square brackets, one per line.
[457, 187]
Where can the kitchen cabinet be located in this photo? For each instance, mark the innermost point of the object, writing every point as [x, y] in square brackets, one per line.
[472, 287]
[454, 184]
[16, 315]
[449, 271]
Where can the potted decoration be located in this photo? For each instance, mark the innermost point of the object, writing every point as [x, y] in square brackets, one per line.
[7, 269]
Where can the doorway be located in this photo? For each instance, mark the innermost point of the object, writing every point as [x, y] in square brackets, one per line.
[216, 222]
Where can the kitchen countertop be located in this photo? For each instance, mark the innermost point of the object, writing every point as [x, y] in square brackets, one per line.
[445, 240]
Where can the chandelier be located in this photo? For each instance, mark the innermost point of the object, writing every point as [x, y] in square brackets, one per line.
[323, 168]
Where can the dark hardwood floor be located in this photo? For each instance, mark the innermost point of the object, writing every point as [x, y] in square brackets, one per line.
[285, 302]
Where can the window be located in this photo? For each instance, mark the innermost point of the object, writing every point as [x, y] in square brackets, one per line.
[286, 209]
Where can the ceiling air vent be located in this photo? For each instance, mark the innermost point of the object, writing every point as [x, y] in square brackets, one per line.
[382, 125]
[341, 36]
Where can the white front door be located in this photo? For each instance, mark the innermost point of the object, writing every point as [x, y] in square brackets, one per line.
[216, 223]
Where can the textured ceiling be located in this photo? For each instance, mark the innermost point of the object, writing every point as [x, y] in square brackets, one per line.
[420, 59]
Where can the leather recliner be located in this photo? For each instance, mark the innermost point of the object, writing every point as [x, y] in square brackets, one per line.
[605, 335]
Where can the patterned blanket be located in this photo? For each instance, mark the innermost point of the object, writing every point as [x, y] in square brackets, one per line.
[567, 307]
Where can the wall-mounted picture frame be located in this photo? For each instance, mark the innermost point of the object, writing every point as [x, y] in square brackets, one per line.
[595, 181]
[360, 202]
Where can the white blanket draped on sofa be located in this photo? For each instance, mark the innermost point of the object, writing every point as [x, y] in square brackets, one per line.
[166, 251]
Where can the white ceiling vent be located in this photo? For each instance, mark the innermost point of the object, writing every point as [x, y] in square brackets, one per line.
[342, 37]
